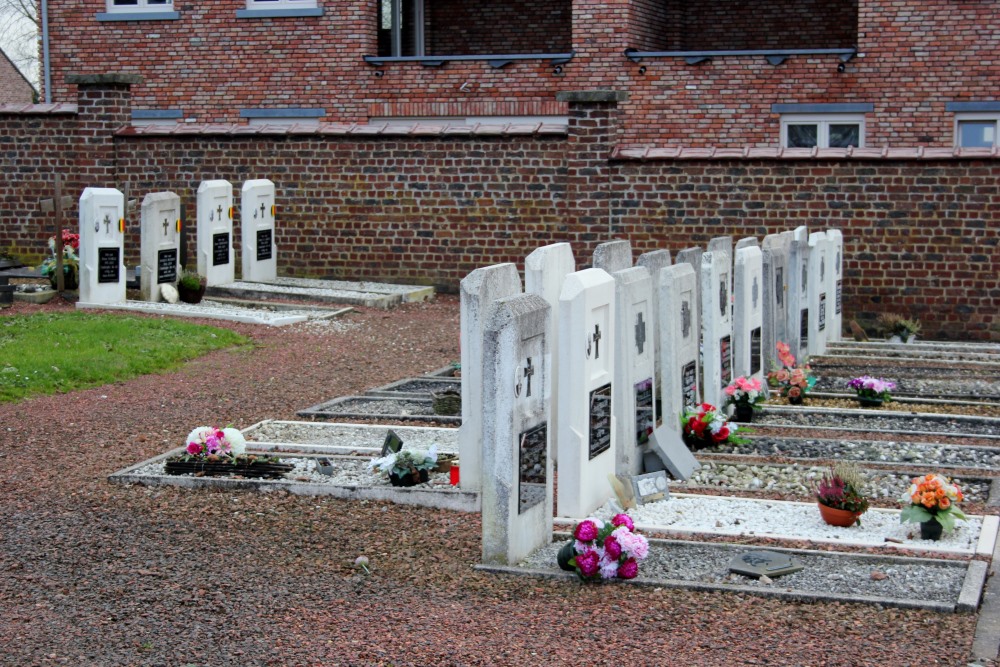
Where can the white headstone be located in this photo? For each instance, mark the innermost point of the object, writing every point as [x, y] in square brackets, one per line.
[102, 246]
[679, 332]
[747, 242]
[481, 289]
[692, 257]
[655, 261]
[215, 233]
[159, 243]
[835, 328]
[721, 244]
[613, 256]
[586, 370]
[634, 372]
[517, 468]
[260, 252]
[798, 293]
[716, 325]
[819, 299]
[545, 270]
[748, 313]
[776, 258]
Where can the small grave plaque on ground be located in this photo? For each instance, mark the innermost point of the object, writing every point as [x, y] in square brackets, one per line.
[764, 563]
[669, 447]
[392, 444]
[650, 487]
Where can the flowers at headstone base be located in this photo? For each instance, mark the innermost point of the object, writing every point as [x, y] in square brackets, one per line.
[213, 443]
[932, 497]
[893, 325]
[605, 549]
[70, 261]
[791, 381]
[407, 465]
[362, 562]
[873, 389]
[746, 392]
[705, 425]
[841, 489]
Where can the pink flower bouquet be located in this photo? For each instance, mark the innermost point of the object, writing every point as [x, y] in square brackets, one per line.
[604, 550]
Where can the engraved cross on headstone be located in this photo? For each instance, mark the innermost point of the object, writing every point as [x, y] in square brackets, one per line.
[107, 224]
[685, 319]
[220, 212]
[753, 292]
[723, 297]
[822, 268]
[262, 214]
[529, 370]
[640, 332]
[805, 278]
[165, 224]
[779, 285]
[597, 341]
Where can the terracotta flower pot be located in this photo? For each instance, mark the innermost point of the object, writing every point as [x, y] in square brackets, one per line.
[836, 517]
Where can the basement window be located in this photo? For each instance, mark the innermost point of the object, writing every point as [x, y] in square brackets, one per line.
[139, 10]
[279, 9]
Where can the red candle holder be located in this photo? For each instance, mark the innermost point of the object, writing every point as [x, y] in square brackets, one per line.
[454, 473]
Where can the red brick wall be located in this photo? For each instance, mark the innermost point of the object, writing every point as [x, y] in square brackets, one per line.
[920, 237]
[460, 27]
[917, 55]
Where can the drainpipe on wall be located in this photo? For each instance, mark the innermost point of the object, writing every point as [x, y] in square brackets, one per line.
[46, 68]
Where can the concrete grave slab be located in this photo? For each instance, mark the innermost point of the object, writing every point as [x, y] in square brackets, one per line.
[761, 563]
[668, 445]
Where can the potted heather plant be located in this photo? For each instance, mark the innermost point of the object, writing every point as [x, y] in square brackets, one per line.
[898, 329]
[602, 550]
[841, 500]
[744, 395]
[933, 503]
[791, 381]
[191, 287]
[872, 392]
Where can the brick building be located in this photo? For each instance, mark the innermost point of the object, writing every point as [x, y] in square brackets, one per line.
[708, 73]
[14, 86]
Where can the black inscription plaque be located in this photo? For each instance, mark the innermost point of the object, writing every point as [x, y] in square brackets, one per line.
[108, 265]
[726, 355]
[600, 420]
[659, 402]
[643, 411]
[220, 249]
[821, 321]
[804, 329]
[166, 266]
[264, 244]
[755, 351]
[531, 467]
[779, 285]
[839, 285]
[689, 384]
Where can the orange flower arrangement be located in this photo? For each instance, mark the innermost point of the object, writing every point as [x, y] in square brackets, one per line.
[933, 497]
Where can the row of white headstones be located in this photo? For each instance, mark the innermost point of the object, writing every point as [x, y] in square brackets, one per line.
[582, 366]
[102, 239]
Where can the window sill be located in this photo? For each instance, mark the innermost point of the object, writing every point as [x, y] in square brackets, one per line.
[496, 60]
[773, 56]
[138, 16]
[278, 13]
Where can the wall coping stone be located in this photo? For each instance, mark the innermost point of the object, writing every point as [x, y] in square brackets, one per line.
[647, 153]
[48, 109]
[349, 129]
[99, 79]
[591, 96]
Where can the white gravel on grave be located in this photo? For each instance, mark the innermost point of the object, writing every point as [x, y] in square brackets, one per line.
[351, 436]
[782, 519]
[217, 310]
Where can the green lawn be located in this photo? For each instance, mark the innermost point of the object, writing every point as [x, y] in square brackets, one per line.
[43, 354]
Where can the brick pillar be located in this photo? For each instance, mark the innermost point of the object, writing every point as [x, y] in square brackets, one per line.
[104, 104]
[594, 128]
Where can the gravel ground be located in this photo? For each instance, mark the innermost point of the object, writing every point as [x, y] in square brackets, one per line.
[95, 574]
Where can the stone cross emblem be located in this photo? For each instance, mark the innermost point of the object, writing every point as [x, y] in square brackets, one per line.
[723, 297]
[685, 319]
[595, 340]
[640, 332]
[822, 268]
[805, 278]
[262, 214]
[220, 212]
[529, 370]
[754, 291]
[165, 223]
[107, 223]
[779, 285]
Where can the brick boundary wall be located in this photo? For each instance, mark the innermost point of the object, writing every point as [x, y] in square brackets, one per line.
[921, 236]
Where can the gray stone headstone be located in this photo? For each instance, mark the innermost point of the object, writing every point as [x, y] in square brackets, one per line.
[480, 290]
[835, 289]
[748, 313]
[517, 469]
[798, 293]
[716, 325]
[721, 244]
[634, 372]
[776, 255]
[819, 299]
[668, 446]
[613, 256]
[655, 261]
[680, 331]
[746, 242]
[764, 563]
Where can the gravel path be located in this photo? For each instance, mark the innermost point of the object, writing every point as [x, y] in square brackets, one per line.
[101, 575]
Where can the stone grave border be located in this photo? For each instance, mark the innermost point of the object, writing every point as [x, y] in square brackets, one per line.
[328, 410]
[204, 312]
[392, 390]
[967, 602]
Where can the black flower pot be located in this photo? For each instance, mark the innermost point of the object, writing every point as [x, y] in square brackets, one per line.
[795, 400]
[189, 295]
[411, 478]
[931, 530]
[69, 280]
[566, 553]
[743, 413]
[867, 402]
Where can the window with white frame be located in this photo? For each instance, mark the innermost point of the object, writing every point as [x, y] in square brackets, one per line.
[822, 130]
[140, 5]
[977, 130]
